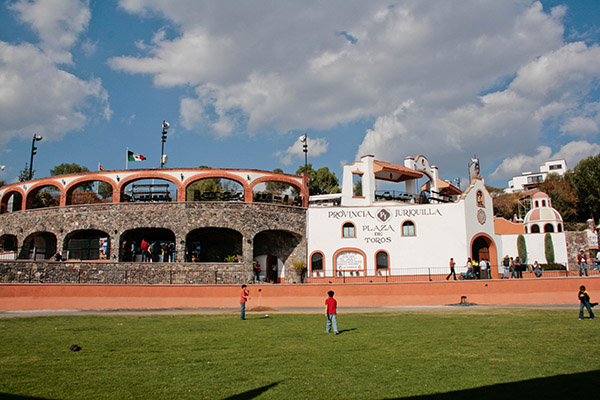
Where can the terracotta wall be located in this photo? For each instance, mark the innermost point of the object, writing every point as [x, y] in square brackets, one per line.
[496, 292]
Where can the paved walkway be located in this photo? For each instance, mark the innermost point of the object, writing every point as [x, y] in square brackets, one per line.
[267, 310]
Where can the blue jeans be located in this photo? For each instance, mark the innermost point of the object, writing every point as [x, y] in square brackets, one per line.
[242, 310]
[583, 267]
[331, 320]
[587, 305]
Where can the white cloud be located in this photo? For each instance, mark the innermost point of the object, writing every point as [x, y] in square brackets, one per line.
[441, 78]
[37, 97]
[316, 147]
[58, 24]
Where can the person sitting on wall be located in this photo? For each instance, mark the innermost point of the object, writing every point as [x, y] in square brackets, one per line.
[582, 261]
[537, 270]
[58, 256]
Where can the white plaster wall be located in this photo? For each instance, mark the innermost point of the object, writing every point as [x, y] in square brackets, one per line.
[535, 247]
[440, 234]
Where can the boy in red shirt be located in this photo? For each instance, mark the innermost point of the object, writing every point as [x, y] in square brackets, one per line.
[331, 313]
[243, 299]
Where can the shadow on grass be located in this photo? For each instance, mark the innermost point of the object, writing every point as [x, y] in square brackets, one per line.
[573, 386]
[250, 394]
[6, 396]
[347, 330]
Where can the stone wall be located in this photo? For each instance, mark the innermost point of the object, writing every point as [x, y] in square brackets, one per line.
[122, 273]
[249, 219]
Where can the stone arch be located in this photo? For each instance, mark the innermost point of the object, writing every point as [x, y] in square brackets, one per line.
[9, 246]
[276, 250]
[38, 246]
[131, 240]
[87, 244]
[17, 196]
[213, 244]
[32, 199]
[71, 187]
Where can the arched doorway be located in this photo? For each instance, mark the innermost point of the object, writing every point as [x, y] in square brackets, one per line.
[87, 245]
[213, 245]
[482, 246]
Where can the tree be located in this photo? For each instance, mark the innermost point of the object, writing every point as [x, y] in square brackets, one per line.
[205, 185]
[2, 183]
[321, 181]
[586, 182]
[66, 168]
[522, 248]
[562, 193]
[277, 187]
[73, 168]
[549, 248]
[24, 173]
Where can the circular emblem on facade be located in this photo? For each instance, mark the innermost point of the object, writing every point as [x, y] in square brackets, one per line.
[383, 215]
[481, 217]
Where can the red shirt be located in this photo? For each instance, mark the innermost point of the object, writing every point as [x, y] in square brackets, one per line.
[244, 296]
[331, 305]
[144, 246]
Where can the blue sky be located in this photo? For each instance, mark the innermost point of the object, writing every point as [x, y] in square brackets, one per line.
[514, 82]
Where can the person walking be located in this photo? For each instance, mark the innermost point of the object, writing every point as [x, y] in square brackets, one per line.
[144, 246]
[452, 271]
[331, 309]
[584, 299]
[243, 300]
[582, 261]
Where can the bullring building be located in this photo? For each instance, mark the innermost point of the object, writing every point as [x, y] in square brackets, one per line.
[389, 220]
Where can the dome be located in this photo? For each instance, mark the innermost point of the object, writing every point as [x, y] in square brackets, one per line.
[542, 217]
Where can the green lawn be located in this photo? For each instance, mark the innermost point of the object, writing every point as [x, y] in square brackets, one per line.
[468, 353]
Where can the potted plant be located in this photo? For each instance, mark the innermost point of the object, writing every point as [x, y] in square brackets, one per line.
[300, 268]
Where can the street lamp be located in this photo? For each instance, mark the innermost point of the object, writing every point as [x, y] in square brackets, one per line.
[163, 157]
[2, 167]
[36, 138]
[304, 141]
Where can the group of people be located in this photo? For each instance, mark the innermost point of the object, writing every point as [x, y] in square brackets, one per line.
[481, 269]
[150, 252]
[514, 267]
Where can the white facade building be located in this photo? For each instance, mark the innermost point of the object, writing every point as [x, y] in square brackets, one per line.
[372, 232]
[530, 180]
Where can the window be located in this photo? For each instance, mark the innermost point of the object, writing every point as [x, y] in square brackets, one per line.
[548, 228]
[316, 262]
[555, 166]
[348, 230]
[382, 260]
[408, 228]
[535, 179]
[357, 189]
[543, 203]
[535, 228]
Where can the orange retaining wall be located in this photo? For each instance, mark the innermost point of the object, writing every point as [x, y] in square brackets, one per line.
[484, 292]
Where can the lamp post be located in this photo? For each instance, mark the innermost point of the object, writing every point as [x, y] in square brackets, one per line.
[36, 138]
[304, 141]
[165, 128]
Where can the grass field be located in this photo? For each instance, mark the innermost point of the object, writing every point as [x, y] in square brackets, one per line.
[467, 353]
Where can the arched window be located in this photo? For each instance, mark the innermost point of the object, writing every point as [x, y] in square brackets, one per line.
[535, 228]
[543, 203]
[348, 230]
[316, 262]
[559, 227]
[408, 228]
[526, 231]
[537, 205]
[548, 228]
[383, 261]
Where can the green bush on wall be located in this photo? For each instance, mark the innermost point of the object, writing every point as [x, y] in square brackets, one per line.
[522, 248]
[549, 248]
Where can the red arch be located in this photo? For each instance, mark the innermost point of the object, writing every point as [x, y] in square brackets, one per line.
[492, 247]
[216, 174]
[40, 185]
[88, 178]
[6, 196]
[349, 249]
[151, 175]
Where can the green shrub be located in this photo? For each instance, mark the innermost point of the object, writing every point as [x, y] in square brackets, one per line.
[522, 248]
[549, 248]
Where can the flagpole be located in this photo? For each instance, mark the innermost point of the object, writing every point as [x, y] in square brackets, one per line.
[127, 158]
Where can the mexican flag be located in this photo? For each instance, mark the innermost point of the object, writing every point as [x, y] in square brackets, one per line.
[131, 156]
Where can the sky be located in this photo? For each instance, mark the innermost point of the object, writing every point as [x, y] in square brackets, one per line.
[515, 83]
